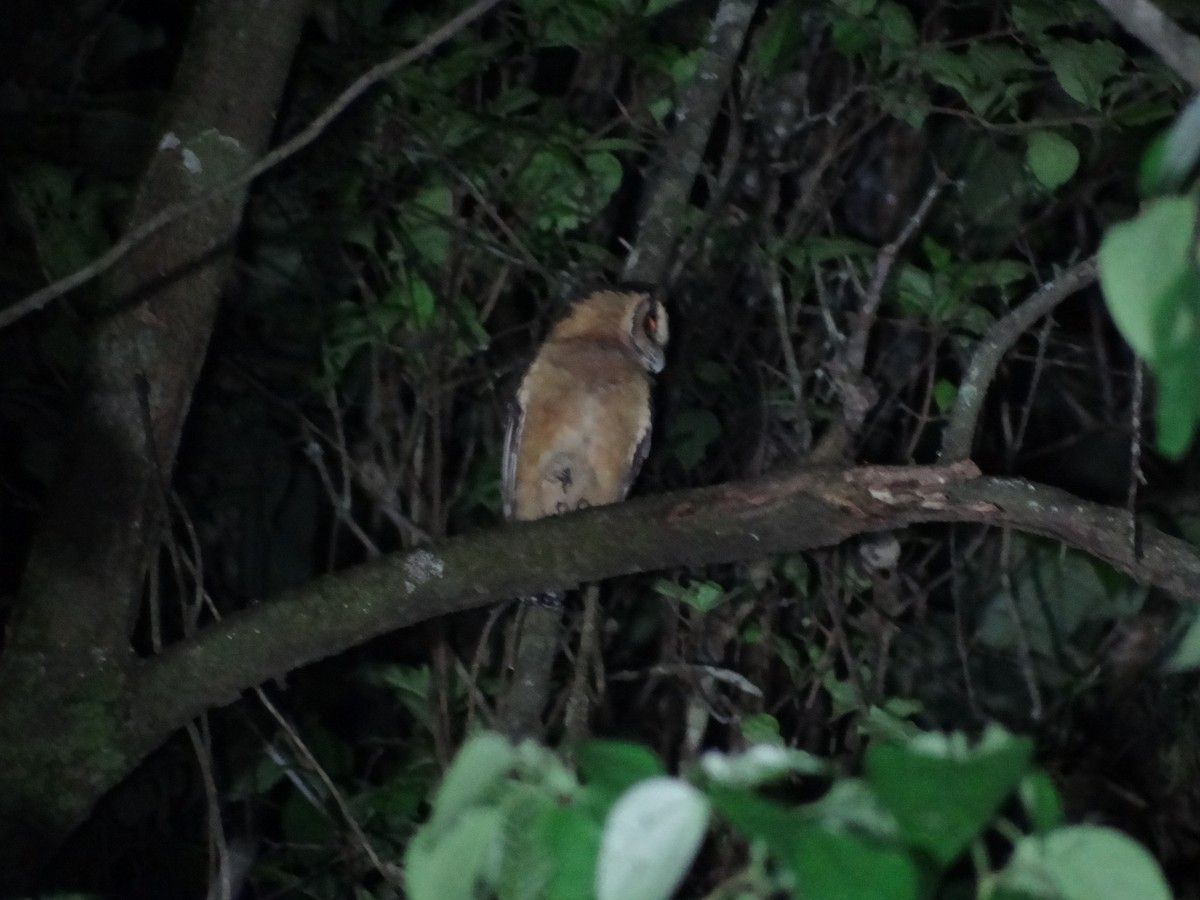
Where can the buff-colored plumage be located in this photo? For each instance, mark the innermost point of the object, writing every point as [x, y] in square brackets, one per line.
[581, 426]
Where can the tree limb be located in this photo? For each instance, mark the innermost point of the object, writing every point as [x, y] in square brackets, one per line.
[1174, 46]
[956, 444]
[736, 521]
[683, 150]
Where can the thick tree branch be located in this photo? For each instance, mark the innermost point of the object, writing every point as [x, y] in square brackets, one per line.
[960, 433]
[1148, 23]
[736, 521]
[67, 656]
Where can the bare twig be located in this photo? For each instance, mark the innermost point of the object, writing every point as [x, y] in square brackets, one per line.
[579, 702]
[956, 445]
[1145, 21]
[856, 345]
[389, 871]
[176, 211]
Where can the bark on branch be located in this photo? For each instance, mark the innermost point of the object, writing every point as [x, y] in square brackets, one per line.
[735, 521]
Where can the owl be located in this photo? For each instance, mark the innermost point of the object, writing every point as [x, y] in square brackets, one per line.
[580, 429]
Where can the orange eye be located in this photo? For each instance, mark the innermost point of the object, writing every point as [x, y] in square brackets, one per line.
[650, 324]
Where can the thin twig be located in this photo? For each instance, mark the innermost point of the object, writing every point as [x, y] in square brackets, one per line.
[176, 211]
[856, 347]
[389, 871]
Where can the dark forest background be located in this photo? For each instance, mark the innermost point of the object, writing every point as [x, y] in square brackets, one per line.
[877, 184]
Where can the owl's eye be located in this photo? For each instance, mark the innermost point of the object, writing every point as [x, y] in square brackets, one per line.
[650, 324]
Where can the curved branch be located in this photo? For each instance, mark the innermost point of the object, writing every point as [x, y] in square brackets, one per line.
[735, 521]
[956, 444]
[1174, 46]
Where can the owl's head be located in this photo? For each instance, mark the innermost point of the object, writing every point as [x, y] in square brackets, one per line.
[633, 318]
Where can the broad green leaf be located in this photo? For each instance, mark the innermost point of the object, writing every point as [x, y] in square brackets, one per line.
[896, 25]
[1041, 801]
[1055, 592]
[691, 433]
[1084, 862]
[1083, 68]
[944, 792]
[1051, 158]
[826, 863]
[761, 728]
[782, 37]
[1177, 367]
[450, 864]
[610, 768]
[1185, 656]
[571, 839]
[1141, 262]
[650, 837]
[423, 301]
[840, 866]
[424, 221]
[999, 62]
[1173, 157]
[482, 762]
[944, 394]
[524, 867]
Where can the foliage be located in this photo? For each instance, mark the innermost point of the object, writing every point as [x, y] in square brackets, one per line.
[632, 831]
[1150, 270]
[392, 280]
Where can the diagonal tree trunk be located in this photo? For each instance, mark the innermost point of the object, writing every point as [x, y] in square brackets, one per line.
[67, 662]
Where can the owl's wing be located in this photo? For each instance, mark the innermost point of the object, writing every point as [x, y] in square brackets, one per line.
[508, 468]
[641, 450]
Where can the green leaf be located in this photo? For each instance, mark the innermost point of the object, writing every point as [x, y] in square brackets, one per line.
[1185, 655]
[944, 394]
[1084, 862]
[999, 62]
[1083, 68]
[424, 222]
[761, 728]
[1142, 262]
[896, 25]
[523, 866]
[1173, 156]
[302, 822]
[782, 38]
[423, 301]
[1055, 593]
[481, 763]
[571, 839]
[690, 433]
[610, 768]
[1051, 158]
[448, 865]
[1041, 801]
[826, 864]
[943, 792]
[650, 837]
